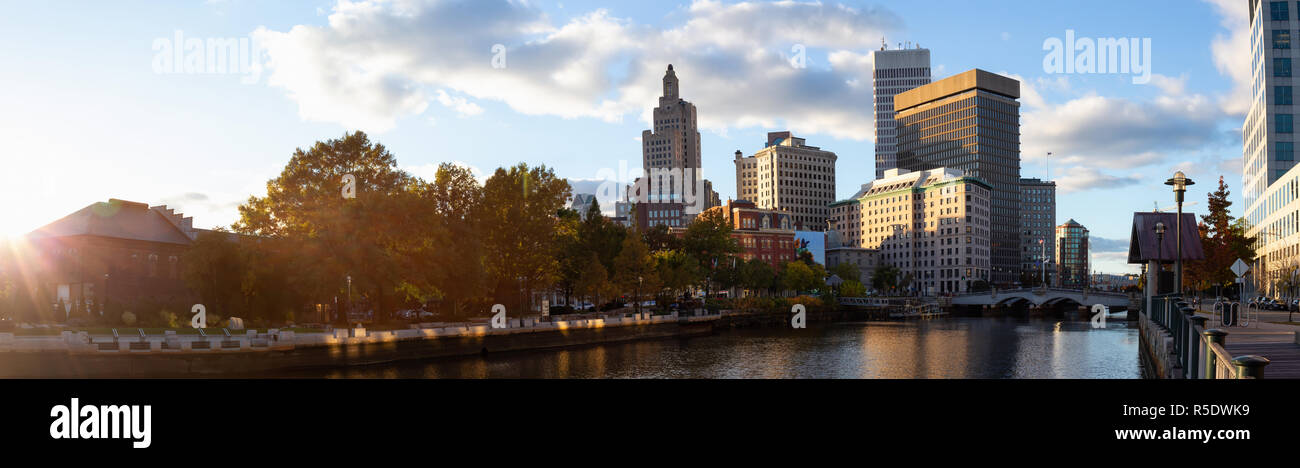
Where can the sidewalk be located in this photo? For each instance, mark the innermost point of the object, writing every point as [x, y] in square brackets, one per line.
[1263, 330]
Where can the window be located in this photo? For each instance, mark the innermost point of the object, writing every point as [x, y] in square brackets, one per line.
[1278, 11]
[1285, 123]
[1281, 39]
[1285, 151]
[1282, 95]
[1282, 67]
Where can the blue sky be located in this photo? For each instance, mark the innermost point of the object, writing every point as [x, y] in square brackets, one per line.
[87, 116]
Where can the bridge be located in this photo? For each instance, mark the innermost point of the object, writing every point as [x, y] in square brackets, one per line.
[1039, 297]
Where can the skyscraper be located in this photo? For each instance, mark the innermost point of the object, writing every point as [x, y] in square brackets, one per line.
[894, 71]
[670, 154]
[1037, 223]
[970, 122]
[1072, 238]
[789, 175]
[1269, 183]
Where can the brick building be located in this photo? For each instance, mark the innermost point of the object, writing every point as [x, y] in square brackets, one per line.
[117, 251]
[767, 235]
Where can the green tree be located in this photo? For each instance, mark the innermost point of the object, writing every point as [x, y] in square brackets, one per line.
[708, 240]
[459, 273]
[215, 267]
[635, 270]
[852, 288]
[659, 238]
[593, 282]
[757, 275]
[847, 272]
[797, 276]
[885, 277]
[378, 237]
[678, 271]
[520, 221]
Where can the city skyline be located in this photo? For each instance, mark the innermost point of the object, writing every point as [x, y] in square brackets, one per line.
[207, 161]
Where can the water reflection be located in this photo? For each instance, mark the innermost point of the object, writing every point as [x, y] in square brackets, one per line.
[978, 348]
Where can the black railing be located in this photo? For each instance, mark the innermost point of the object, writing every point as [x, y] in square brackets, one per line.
[1200, 352]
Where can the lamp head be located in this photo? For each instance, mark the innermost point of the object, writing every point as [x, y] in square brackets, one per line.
[1160, 229]
[1179, 182]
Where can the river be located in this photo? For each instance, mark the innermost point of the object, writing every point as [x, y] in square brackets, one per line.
[955, 348]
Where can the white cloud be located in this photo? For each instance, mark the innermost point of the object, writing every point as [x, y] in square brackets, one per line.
[1111, 132]
[1080, 178]
[461, 105]
[378, 61]
[1231, 53]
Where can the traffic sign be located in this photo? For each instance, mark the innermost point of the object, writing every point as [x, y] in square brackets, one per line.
[1240, 268]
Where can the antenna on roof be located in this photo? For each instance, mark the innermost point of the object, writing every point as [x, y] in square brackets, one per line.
[883, 45]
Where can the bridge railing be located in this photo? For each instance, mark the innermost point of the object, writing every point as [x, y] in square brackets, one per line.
[1199, 351]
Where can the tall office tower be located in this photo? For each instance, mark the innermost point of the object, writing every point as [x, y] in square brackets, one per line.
[1268, 136]
[893, 72]
[1037, 223]
[970, 122]
[933, 225]
[1072, 238]
[671, 154]
[791, 176]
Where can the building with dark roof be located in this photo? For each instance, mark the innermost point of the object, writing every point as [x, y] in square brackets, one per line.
[117, 251]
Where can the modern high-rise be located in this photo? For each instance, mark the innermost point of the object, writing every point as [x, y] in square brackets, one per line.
[1037, 230]
[1072, 238]
[970, 122]
[893, 71]
[933, 225]
[791, 176]
[1269, 141]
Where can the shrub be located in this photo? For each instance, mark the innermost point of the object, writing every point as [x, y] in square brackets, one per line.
[128, 318]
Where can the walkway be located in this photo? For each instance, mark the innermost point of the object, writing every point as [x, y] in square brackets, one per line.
[1265, 337]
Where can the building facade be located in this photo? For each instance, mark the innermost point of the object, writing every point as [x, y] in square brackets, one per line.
[766, 235]
[1037, 231]
[671, 155]
[648, 215]
[582, 204]
[893, 71]
[865, 260]
[933, 225]
[118, 252]
[1072, 255]
[970, 122]
[791, 176]
[1269, 142]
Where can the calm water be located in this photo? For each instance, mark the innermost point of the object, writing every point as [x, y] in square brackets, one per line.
[960, 348]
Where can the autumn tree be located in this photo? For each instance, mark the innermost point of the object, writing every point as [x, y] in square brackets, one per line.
[348, 211]
[635, 270]
[593, 282]
[458, 270]
[1223, 239]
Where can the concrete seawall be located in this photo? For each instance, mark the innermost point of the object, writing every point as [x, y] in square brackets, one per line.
[1156, 346]
[179, 357]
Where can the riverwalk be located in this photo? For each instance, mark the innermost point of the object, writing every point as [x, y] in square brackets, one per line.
[1268, 334]
[79, 354]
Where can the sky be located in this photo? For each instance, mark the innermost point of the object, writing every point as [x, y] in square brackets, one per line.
[95, 105]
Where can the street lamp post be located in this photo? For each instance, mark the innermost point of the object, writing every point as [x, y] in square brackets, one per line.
[1179, 182]
[348, 314]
